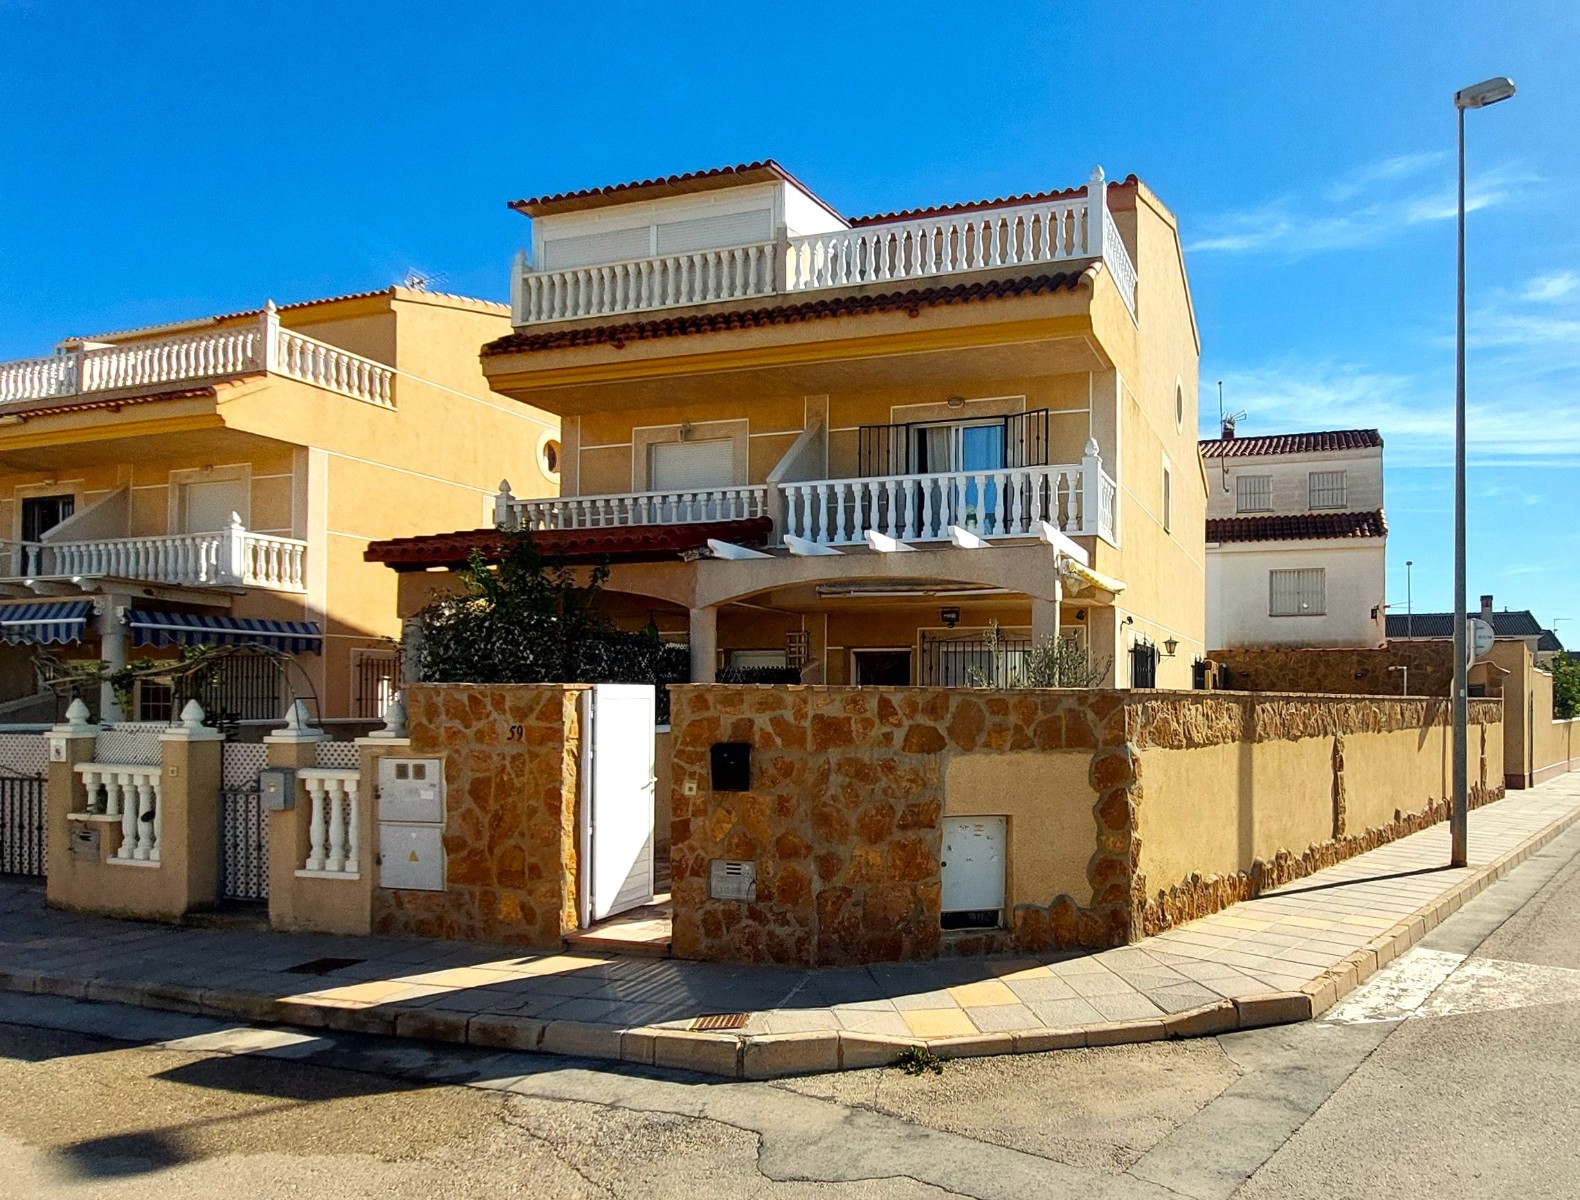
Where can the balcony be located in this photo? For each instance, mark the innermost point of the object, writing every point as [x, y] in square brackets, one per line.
[229, 558]
[204, 356]
[1012, 238]
[1077, 499]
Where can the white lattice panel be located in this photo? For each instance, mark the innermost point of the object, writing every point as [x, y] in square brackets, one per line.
[342, 756]
[242, 762]
[23, 753]
[133, 742]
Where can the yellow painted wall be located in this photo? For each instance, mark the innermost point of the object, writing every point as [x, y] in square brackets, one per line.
[1048, 798]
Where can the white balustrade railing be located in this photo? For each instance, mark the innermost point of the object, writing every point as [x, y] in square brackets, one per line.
[917, 508]
[203, 355]
[230, 557]
[1010, 237]
[334, 822]
[327, 366]
[665, 281]
[132, 795]
[685, 507]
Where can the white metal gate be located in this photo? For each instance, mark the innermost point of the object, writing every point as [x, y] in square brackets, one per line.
[617, 799]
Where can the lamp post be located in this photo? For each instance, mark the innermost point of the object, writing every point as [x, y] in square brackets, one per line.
[1478, 95]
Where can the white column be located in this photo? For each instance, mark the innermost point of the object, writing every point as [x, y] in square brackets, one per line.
[121, 782]
[1096, 212]
[269, 333]
[315, 826]
[334, 803]
[1045, 617]
[112, 650]
[353, 857]
[704, 644]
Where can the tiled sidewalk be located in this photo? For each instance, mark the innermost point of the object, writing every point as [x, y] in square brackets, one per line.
[1282, 957]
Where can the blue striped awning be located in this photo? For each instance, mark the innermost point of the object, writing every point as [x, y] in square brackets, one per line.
[195, 629]
[55, 621]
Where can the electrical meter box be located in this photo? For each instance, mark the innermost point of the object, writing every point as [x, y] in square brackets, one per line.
[277, 787]
[411, 789]
[973, 864]
[411, 857]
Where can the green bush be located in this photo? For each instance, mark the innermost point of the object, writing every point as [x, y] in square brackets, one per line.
[1566, 686]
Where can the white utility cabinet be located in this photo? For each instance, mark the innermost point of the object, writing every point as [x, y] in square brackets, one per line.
[974, 863]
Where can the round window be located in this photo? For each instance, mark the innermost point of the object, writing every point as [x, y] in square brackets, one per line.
[1179, 405]
[550, 454]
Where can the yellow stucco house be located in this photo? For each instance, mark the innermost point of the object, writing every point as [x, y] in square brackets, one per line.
[215, 482]
[849, 446]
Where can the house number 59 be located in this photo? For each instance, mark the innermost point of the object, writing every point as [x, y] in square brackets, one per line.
[518, 733]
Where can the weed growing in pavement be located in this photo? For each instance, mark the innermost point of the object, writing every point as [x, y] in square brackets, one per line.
[919, 1060]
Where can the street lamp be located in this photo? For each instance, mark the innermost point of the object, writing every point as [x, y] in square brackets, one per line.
[1478, 95]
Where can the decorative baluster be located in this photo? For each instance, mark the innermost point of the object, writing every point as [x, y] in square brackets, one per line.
[143, 789]
[839, 513]
[127, 801]
[353, 826]
[928, 516]
[336, 860]
[315, 825]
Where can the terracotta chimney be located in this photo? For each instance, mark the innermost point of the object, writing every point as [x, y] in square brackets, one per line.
[1228, 429]
[1486, 608]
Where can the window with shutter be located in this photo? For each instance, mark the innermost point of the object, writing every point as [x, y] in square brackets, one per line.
[1253, 493]
[1300, 593]
[688, 466]
[584, 250]
[707, 233]
[1327, 489]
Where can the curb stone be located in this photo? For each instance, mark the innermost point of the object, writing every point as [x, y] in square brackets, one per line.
[770, 1056]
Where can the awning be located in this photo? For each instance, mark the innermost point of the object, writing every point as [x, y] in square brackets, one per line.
[57, 621]
[195, 629]
[1086, 577]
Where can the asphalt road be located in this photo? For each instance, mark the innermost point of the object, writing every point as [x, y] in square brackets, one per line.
[1453, 1073]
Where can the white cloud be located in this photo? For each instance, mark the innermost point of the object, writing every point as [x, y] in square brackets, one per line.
[1364, 206]
[1555, 285]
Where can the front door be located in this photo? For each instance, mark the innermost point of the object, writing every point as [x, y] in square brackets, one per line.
[617, 799]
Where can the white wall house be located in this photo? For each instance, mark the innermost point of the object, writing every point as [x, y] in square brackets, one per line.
[1296, 539]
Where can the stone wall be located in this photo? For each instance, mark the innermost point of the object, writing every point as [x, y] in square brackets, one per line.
[512, 775]
[850, 788]
[1342, 672]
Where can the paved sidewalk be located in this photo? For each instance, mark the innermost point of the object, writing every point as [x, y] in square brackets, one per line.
[1282, 957]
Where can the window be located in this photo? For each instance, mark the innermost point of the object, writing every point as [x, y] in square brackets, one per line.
[549, 458]
[958, 447]
[1327, 489]
[1299, 593]
[377, 674]
[40, 514]
[1253, 493]
[155, 700]
[880, 668]
[1179, 406]
[1168, 497]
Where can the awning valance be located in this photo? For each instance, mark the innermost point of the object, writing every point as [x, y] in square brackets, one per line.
[1086, 577]
[194, 629]
[55, 621]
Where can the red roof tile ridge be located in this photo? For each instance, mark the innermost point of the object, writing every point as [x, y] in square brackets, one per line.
[912, 302]
[933, 210]
[615, 189]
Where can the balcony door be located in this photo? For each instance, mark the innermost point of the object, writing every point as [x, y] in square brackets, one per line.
[955, 448]
[40, 514]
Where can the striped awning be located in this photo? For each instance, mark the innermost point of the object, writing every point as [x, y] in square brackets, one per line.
[195, 629]
[52, 622]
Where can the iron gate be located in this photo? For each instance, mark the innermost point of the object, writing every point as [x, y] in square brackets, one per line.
[243, 844]
[22, 826]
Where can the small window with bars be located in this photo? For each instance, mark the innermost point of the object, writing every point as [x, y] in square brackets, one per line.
[1327, 489]
[155, 700]
[377, 676]
[1301, 593]
[1253, 493]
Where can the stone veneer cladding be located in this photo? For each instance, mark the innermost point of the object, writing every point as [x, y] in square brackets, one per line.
[512, 774]
[843, 818]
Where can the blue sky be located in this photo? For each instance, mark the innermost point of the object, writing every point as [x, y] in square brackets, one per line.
[165, 161]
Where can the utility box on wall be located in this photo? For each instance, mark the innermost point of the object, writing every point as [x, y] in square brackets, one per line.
[973, 867]
[411, 824]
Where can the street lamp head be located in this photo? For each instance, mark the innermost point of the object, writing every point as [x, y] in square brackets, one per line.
[1489, 91]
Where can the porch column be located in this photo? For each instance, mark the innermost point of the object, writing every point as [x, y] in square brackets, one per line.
[1045, 617]
[704, 644]
[112, 650]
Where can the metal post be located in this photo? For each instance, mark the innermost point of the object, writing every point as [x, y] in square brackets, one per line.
[1459, 817]
[1409, 598]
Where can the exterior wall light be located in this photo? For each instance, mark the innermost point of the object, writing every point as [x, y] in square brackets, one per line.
[1169, 646]
[949, 616]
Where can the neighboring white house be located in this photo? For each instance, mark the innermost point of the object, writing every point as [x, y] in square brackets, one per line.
[1296, 539]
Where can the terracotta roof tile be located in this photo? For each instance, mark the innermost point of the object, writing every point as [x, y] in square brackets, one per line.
[1298, 527]
[1291, 443]
[911, 214]
[112, 401]
[911, 302]
[762, 171]
[629, 543]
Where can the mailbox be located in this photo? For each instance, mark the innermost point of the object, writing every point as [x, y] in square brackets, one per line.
[731, 764]
[729, 880]
[277, 787]
[85, 843]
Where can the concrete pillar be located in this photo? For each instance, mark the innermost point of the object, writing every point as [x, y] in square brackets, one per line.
[1104, 637]
[704, 644]
[1045, 617]
[112, 650]
[295, 746]
[69, 743]
[192, 755]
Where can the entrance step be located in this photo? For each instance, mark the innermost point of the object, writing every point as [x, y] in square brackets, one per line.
[231, 918]
[644, 931]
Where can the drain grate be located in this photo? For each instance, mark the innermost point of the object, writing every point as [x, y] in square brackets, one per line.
[322, 966]
[710, 1022]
